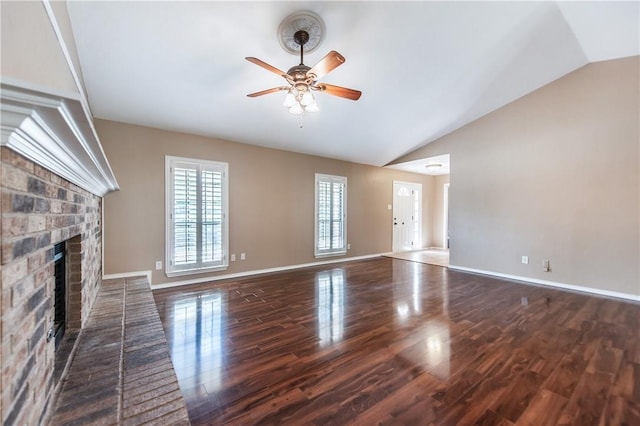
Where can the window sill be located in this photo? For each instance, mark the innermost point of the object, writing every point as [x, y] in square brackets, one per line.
[333, 254]
[184, 272]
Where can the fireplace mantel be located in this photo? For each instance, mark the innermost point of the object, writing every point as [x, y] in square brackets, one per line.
[53, 131]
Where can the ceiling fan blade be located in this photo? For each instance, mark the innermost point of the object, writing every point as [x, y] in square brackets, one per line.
[343, 92]
[266, 66]
[331, 61]
[266, 92]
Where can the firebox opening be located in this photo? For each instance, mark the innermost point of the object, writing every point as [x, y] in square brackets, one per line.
[60, 292]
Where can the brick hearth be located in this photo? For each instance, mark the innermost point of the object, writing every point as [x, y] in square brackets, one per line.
[121, 372]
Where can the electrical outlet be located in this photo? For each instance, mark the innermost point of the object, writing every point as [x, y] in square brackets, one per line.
[158, 265]
[233, 257]
[545, 266]
[348, 246]
[243, 256]
[525, 259]
[389, 206]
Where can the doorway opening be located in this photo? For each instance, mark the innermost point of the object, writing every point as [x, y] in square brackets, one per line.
[407, 216]
[445, 217]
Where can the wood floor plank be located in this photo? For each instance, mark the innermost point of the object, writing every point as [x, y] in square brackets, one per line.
[387, 341]
[620, 411]
[490, 418]
[565, 376]
[545, 409]
[627, 381]
[588, 401]
[409, 402]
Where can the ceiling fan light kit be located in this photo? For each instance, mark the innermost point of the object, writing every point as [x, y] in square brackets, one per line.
[303, 79]
[299, 102]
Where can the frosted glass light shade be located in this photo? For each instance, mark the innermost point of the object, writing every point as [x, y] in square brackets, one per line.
[307, 98]
[289, 99]
[296, 109]
[312, 107]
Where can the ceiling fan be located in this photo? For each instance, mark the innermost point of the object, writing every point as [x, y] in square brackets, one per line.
[303, 79]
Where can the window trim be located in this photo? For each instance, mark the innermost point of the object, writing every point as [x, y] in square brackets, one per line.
[331, 252]
[170, 161]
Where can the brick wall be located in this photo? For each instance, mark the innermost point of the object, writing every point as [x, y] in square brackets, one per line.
[39, 209]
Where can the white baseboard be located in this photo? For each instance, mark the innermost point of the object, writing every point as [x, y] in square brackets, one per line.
[416, 250]
[524, 280]
[527, 280]
[128, 275]
[258, 271]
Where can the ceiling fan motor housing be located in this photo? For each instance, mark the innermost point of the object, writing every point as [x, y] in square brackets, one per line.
[298, 73]
[299, 78]
[301, 37]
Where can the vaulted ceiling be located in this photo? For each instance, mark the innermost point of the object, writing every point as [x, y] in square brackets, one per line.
[425, 68]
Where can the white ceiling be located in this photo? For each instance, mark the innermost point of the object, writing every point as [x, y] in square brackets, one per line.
[425, 68]
[434, 166]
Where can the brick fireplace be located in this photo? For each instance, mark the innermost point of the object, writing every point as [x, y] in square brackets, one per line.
[39, 210]
[53, 175]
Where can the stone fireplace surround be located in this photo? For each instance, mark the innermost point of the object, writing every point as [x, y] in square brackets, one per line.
[53, 174]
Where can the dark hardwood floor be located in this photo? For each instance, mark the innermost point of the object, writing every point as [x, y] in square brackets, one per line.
[387, 341]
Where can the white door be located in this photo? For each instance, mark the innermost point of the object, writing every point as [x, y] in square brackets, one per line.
[407, 213]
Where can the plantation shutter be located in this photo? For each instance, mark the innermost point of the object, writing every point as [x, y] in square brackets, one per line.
[330, 215]
[185, 216]
[196, 196]
[212, 216]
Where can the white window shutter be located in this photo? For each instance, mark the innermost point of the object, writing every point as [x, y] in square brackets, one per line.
[196, 206]
[330, 215]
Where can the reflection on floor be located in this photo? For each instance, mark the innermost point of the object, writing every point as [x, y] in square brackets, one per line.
[386, 341]
[432, 256]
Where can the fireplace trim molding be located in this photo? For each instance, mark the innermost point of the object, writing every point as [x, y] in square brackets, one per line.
[53, 131]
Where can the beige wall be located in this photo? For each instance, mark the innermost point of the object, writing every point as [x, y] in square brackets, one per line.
[271, 192]
[437, 211]
[63, 22]
[30, 50]
[553, 175]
